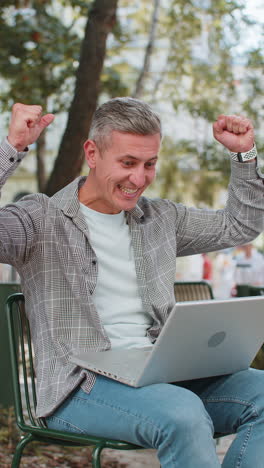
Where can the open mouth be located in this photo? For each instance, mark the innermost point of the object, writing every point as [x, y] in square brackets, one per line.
[127, 191]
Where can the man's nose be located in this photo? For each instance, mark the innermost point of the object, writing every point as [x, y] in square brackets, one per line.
[138, 177]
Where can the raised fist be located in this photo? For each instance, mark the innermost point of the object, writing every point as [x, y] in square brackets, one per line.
[26, 124]
[234, 132]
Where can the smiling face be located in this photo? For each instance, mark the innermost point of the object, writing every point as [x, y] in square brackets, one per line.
[120, 173]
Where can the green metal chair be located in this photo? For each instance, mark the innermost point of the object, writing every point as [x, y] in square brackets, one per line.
[22, 366]
[23, 379]
[192, 291]
[249, 290]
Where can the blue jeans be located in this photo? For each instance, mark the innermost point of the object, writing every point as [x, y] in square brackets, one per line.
[177, 420]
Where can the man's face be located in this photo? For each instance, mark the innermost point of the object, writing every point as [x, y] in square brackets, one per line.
[120, 174]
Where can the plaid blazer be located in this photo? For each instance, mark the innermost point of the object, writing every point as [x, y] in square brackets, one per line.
[47, 241]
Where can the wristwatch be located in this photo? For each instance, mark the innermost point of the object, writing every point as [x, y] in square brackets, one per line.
[243, 157]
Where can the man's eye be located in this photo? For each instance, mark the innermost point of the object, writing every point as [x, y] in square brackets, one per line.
[128, 163]
[151, 164]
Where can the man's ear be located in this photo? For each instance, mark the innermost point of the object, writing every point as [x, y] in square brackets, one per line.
[91, 153]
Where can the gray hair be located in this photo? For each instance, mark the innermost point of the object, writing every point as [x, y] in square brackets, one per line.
[123, 114]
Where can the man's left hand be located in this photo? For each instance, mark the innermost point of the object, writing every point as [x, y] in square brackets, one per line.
[234, 132]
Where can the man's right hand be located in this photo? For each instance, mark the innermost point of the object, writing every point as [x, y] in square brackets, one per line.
[26, 124]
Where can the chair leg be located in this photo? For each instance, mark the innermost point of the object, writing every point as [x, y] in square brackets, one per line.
[96, 462]
[19, 449]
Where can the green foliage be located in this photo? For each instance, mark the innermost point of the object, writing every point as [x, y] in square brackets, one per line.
[201, 62]
[186, 173]
[112, 83]
[253, 79]
[38, 54]
[199, 77]
[192, 69]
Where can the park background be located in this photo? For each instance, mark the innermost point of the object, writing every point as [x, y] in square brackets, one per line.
[190, 59]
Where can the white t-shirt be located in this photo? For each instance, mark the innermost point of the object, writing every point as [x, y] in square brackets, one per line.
[116, 294]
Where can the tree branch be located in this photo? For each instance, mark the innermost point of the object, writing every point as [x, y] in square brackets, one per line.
[148, 52]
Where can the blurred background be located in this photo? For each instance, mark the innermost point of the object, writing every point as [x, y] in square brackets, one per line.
[190, 59]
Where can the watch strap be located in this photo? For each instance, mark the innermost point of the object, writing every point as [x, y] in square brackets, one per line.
[242, 157]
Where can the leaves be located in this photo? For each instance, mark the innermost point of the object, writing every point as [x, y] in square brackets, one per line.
[37, 54]
[193, 65]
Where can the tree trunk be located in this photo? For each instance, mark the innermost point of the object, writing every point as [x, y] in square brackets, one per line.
[70, 157]
[149, 49]
[40, 155]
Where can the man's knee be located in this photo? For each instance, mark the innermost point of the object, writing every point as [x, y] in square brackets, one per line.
[254, 391]
[184, 415]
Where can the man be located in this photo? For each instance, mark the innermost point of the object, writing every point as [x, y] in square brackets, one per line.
[97, 265]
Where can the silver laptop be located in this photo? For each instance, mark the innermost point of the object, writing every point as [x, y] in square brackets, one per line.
[199, 339]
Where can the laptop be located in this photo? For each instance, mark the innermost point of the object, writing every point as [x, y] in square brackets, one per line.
[199, 339]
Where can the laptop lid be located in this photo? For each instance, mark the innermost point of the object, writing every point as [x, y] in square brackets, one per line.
[205, 339]
[199, 339]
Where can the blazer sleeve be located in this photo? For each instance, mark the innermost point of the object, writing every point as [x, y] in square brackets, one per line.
[19, 222]
[239, 222]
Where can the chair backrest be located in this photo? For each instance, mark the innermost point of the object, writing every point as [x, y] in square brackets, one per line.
[192, 291]
[243, 290]
[22, 362]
